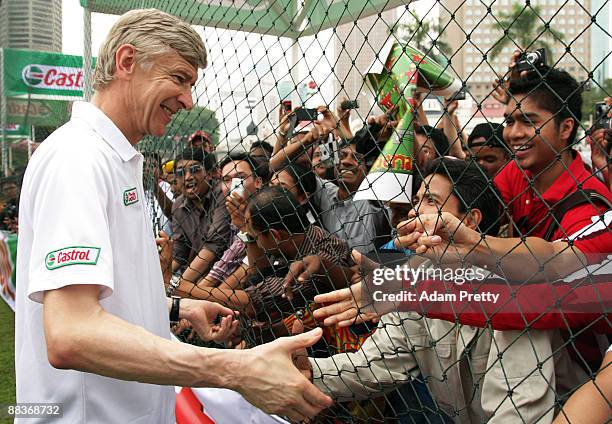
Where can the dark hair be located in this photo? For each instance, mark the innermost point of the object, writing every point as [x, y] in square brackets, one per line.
[555, 91]
[472, 188]
[492, 132]
[304, 178]
[263, 145]
[259, 167]
[276, 208]
[438, 138]
[199, 155]
[11, 179]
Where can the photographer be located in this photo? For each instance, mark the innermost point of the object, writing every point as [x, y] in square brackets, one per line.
[253, 175]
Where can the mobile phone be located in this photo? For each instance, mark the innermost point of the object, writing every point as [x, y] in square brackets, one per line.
[349, 104]
[303, 114]
[458, 95]
[237, 187]
[329, 152]
[287, 105]
[601, 116]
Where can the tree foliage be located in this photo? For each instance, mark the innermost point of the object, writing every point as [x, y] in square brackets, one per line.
[523, 28]
[183, 124]
[425, 35]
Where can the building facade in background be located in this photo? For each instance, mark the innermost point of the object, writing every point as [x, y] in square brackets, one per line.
[572, 19]
[600, 39]
[31, 24]
[356, 47]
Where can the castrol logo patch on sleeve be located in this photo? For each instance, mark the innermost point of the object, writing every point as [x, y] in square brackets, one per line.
[74, 255]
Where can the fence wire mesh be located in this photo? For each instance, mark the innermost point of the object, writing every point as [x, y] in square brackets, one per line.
[447, 160]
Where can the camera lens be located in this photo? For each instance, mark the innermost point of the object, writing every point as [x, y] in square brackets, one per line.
[532, 57]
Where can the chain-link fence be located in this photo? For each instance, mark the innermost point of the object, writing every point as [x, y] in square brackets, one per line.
[447, 160]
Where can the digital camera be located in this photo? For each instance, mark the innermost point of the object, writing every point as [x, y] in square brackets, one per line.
[530, 61]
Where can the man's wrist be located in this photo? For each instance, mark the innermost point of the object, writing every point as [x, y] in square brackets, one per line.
[235, 365]
[187, 309]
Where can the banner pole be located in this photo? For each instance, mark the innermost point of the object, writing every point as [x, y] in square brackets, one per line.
[31, 140]
[87, 73]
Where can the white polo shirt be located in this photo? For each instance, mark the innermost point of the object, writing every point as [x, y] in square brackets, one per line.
[83, 221]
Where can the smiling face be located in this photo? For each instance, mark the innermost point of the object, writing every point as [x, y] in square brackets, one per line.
[534, 152]
[156, 91]
[193, 179]
[351, 170]
[434, 196]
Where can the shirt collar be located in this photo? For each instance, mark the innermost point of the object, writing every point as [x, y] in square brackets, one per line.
[106, 128]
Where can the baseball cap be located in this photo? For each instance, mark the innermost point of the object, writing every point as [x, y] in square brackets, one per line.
[201, 134]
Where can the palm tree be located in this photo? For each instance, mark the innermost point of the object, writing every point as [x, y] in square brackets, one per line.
[519, 26]
[425, 35]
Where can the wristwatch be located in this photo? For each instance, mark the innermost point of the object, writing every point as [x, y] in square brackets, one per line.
[175, 281]
[245, 237]
[174, 311]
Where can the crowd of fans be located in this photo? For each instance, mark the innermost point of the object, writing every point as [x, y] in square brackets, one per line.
[270, 232]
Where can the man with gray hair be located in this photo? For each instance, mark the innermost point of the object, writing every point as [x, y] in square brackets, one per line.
[92, 326]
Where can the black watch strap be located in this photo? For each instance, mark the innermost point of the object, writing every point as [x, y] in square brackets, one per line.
[174, 311]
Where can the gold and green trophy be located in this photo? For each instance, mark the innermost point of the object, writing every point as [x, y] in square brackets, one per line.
[394, 83]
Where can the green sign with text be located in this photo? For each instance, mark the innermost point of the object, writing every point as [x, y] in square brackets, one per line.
[34, 73]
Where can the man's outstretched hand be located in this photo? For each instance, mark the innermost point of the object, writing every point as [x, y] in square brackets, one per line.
[271, 381]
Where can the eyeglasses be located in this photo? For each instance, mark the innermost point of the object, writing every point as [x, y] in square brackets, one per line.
[193, 169]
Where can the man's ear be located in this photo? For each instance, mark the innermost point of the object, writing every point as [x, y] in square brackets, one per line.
[473, 219]
[125, 61]
[276, 235]
[565, 129]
